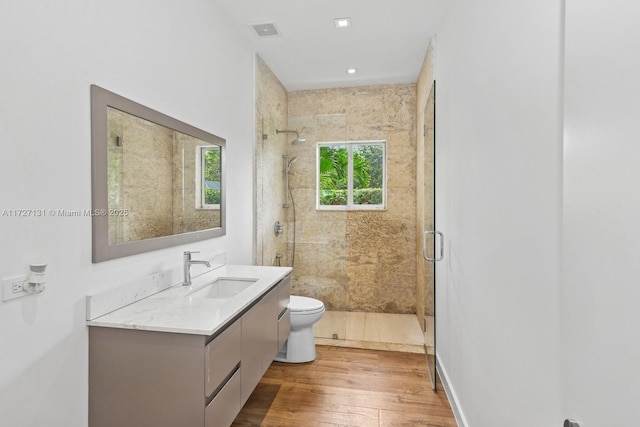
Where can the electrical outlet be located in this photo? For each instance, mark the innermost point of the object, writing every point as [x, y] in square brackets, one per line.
[12, 287]
[17, 286]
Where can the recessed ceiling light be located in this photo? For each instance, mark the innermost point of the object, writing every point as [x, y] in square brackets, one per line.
[342, 22]
[352, 70]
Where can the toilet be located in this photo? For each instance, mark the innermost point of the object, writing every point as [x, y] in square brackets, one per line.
[301, 346]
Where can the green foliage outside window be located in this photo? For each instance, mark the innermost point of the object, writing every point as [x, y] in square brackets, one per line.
[212, 197]
[367, 196]
[368, 177]
[212, 170]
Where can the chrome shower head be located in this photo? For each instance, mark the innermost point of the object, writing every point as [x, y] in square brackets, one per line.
[298, 139]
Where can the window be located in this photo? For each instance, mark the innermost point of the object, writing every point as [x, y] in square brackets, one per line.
[210, 177]
[351, 175]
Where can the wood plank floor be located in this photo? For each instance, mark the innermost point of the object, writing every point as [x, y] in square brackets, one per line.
[348, 387]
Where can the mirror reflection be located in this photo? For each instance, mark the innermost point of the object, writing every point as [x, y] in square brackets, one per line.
[157, 182]
[163, 181]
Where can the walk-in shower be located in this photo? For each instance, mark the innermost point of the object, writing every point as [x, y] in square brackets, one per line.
[341, 257]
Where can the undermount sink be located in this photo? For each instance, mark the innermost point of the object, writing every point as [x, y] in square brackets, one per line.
[223, 288]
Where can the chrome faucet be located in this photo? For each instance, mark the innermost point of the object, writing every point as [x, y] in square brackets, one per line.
[187, 266]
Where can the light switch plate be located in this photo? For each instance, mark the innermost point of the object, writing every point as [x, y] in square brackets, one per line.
[12, 287]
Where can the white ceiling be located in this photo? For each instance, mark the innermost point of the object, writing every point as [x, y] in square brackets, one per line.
[387, 41]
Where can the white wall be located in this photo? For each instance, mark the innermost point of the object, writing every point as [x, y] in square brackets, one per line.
[181, 60]
[601, 226]
[498, 202]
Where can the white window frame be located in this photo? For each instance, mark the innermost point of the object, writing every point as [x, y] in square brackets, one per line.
[350, 206]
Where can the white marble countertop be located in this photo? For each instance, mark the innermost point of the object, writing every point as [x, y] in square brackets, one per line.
[174, 310]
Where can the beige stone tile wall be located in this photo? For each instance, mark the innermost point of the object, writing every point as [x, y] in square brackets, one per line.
[271, 114]
[356, 260]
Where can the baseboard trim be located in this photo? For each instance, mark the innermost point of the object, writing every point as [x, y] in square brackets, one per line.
[451, 395]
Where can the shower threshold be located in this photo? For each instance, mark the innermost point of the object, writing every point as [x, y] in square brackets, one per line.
[375, 331]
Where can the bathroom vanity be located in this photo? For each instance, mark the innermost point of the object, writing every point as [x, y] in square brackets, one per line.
[188, 356]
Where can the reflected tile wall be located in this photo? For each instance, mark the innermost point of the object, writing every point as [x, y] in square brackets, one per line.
[146, 182]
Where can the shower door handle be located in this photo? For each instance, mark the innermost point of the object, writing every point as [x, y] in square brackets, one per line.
[424, 245]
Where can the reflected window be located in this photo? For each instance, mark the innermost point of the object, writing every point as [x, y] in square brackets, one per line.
[351, 175]
[210, 177]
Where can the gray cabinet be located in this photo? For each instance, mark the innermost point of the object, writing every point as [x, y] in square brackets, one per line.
[259, 341]
[160, 379]
[253, 327]
[264, 329]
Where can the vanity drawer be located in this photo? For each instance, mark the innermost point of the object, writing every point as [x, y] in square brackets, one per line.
[222, 355]
[284, 327]
[224, 408]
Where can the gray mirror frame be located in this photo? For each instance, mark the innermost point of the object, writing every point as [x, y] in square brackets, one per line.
[101, 99]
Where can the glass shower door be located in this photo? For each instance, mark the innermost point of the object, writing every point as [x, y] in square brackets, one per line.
[432, 240]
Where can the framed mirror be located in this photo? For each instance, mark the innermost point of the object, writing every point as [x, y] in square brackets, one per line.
[157, 182]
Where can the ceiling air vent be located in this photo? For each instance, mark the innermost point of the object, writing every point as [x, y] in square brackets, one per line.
[266, 29]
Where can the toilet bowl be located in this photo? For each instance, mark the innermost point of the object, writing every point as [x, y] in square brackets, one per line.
[301, 346]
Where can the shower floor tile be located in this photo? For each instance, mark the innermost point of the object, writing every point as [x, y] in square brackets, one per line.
[384, 331]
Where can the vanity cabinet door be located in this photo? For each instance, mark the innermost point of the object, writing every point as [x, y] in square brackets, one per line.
[222, 356]
[284, 294]
[270, 338]
[259, 341]
[284, 315]
[251, 350]
[284, 327]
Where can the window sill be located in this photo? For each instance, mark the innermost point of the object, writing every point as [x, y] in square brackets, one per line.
[341, 208]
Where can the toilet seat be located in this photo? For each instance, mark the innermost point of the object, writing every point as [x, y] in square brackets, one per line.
[305, 305]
